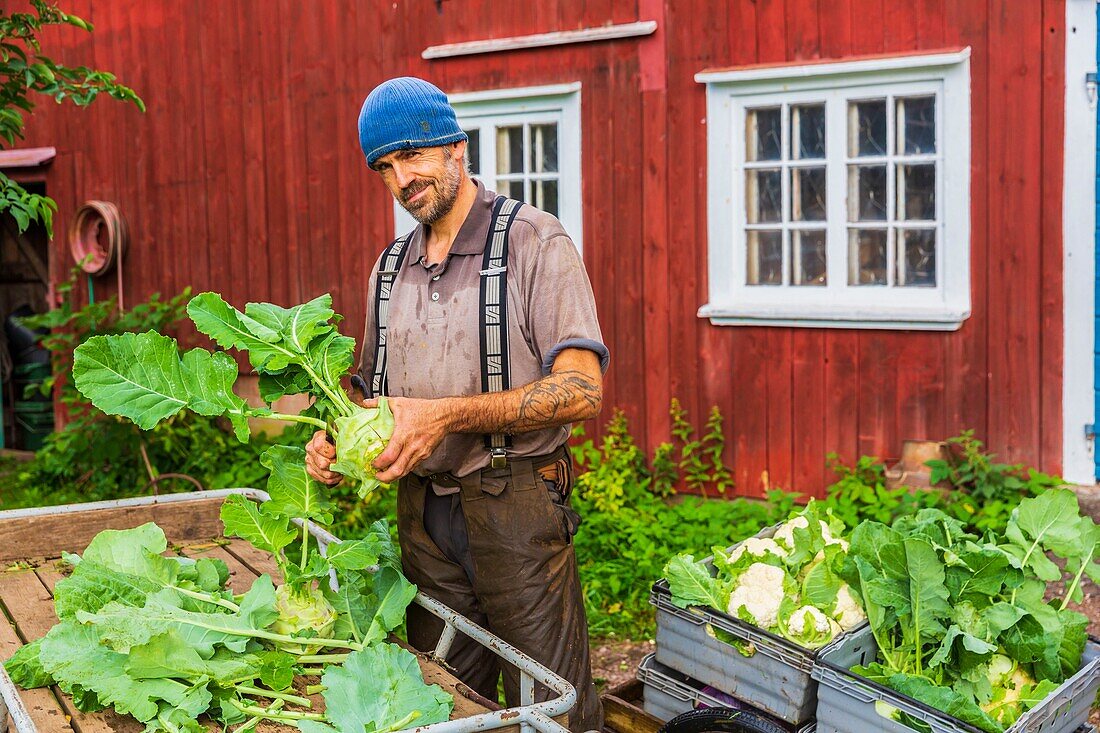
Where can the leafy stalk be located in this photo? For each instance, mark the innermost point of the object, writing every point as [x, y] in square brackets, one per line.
[274, 695]
[1076, 579]
[268, 714]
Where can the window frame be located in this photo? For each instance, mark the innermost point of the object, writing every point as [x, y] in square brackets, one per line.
[489, 109]
[731, 93]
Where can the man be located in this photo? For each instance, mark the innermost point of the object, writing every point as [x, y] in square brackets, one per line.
[490, 349]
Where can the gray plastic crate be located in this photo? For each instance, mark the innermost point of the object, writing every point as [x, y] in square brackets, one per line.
[667, 693]
[776, 678]
[846, 701]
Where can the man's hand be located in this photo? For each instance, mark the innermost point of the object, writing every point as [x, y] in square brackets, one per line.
[418, 428]
[319, 456]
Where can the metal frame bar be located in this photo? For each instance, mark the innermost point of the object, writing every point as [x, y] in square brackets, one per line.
[530, 716]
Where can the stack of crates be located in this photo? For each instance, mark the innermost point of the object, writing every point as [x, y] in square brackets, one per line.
[811, 690]
[775, 679]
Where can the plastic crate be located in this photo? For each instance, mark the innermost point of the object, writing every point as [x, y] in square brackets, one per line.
[846, 701]
[776, 678]
[667, 693]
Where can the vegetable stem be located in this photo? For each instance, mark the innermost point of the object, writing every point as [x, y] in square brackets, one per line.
[268, 714]
[305, 543]
[322, 658]
[315, 689]
[208, 598]
[250, 724]
[299, 418]
[312, 672]
[1076, 580]
[340, 404]
[272, 694]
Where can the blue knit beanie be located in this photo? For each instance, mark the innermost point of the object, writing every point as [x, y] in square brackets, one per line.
[406, 112]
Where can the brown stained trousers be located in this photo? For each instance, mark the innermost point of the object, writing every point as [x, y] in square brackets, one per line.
[500, 553]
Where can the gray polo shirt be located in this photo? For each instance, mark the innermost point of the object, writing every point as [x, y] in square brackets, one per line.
[434, 336]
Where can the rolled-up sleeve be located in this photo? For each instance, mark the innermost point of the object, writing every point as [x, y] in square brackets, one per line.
[561, 307]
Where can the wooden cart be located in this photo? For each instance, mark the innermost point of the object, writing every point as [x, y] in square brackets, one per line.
[31, 541]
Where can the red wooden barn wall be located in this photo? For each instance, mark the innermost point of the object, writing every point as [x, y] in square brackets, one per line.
[245, 177]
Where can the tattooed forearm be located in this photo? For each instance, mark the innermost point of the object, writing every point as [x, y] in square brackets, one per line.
[567, 395]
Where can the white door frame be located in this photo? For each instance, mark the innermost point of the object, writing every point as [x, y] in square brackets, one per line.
[1079, 244]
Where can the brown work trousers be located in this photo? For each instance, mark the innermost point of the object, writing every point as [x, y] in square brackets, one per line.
[524, 586]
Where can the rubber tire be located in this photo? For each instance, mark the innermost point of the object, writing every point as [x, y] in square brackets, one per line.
[721, 720]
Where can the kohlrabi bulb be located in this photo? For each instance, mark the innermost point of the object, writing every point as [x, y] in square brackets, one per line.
[360, 438]
[302, 610]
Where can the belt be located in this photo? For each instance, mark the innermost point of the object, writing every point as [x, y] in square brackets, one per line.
[552, 466]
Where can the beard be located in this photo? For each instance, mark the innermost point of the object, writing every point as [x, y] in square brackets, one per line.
[434, 205]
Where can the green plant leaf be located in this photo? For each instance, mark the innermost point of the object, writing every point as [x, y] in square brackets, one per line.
[297, 325]
[353, 554]
[691, 584]
[232, 329]
[25, 667]
[377, 690]
[168, 656]
[266, 531]
[294, 493]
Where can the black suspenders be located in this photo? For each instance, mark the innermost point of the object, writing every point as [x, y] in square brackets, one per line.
[493, 319]
[494, 316]
[387, 273]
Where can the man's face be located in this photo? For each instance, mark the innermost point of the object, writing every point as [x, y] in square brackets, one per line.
[425, 181]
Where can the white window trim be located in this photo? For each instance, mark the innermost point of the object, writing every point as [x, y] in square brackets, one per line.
[944, 308]
[529, 104]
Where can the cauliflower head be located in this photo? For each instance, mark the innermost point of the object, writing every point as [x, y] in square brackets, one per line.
[785, 534]
[758, 594]
[848, 612]
[757, 547]
[810, 627]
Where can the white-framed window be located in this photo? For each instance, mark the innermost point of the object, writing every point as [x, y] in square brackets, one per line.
[838, 193]
[524, 143]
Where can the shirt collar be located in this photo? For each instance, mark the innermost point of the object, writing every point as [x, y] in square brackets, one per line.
[471, 235]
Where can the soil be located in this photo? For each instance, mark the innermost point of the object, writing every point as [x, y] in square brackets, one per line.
[615, 661]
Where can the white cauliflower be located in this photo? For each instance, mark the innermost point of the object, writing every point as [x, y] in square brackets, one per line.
[785, 533]
[809, 626]
[757, 547]
[759, 591]
[847, 613]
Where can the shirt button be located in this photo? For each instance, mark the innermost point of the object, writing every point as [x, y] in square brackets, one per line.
[435, 296]
[436, 277]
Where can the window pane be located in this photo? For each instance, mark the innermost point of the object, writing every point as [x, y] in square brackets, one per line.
[545, 195]
[473, 150]
[917, 191]
[764, 196]
[809, 257]
[867, 193]
[510, 149]
[917, 260]
[511, 189]
[867, 128]
[808, 130]
[764, 133]
[808, 194]
[917, 125]
[765, 258]
[544, 148]
[867, 257]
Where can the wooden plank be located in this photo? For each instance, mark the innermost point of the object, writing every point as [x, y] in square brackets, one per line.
[1051, 280]
[808, 405]
[750, 411]
[1015, 146]
[26, 157]
[257, 561]
[803, 29]
[41, 704]
[49, 534]
[30, 605]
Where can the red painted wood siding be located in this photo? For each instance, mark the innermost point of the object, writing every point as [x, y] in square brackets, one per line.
[245, 177]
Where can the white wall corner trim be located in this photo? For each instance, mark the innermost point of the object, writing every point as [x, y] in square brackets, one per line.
[1079, 227]
[541, 40]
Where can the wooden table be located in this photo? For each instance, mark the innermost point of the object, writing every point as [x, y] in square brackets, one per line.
[30, 568]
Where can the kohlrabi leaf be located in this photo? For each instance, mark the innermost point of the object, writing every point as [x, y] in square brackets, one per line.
[123, 627]
[294, 493]
[242, 518]
[361, 437]
[290, 381]
[391, 593]
[332, 356]
[296, 325]
[92, 586]
[945, 699]
[1049, 521]
[232, 329]
[96, 675]
[25, 668]
[377, 690]
[141, 376]
[169, 656]
[353, 554]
